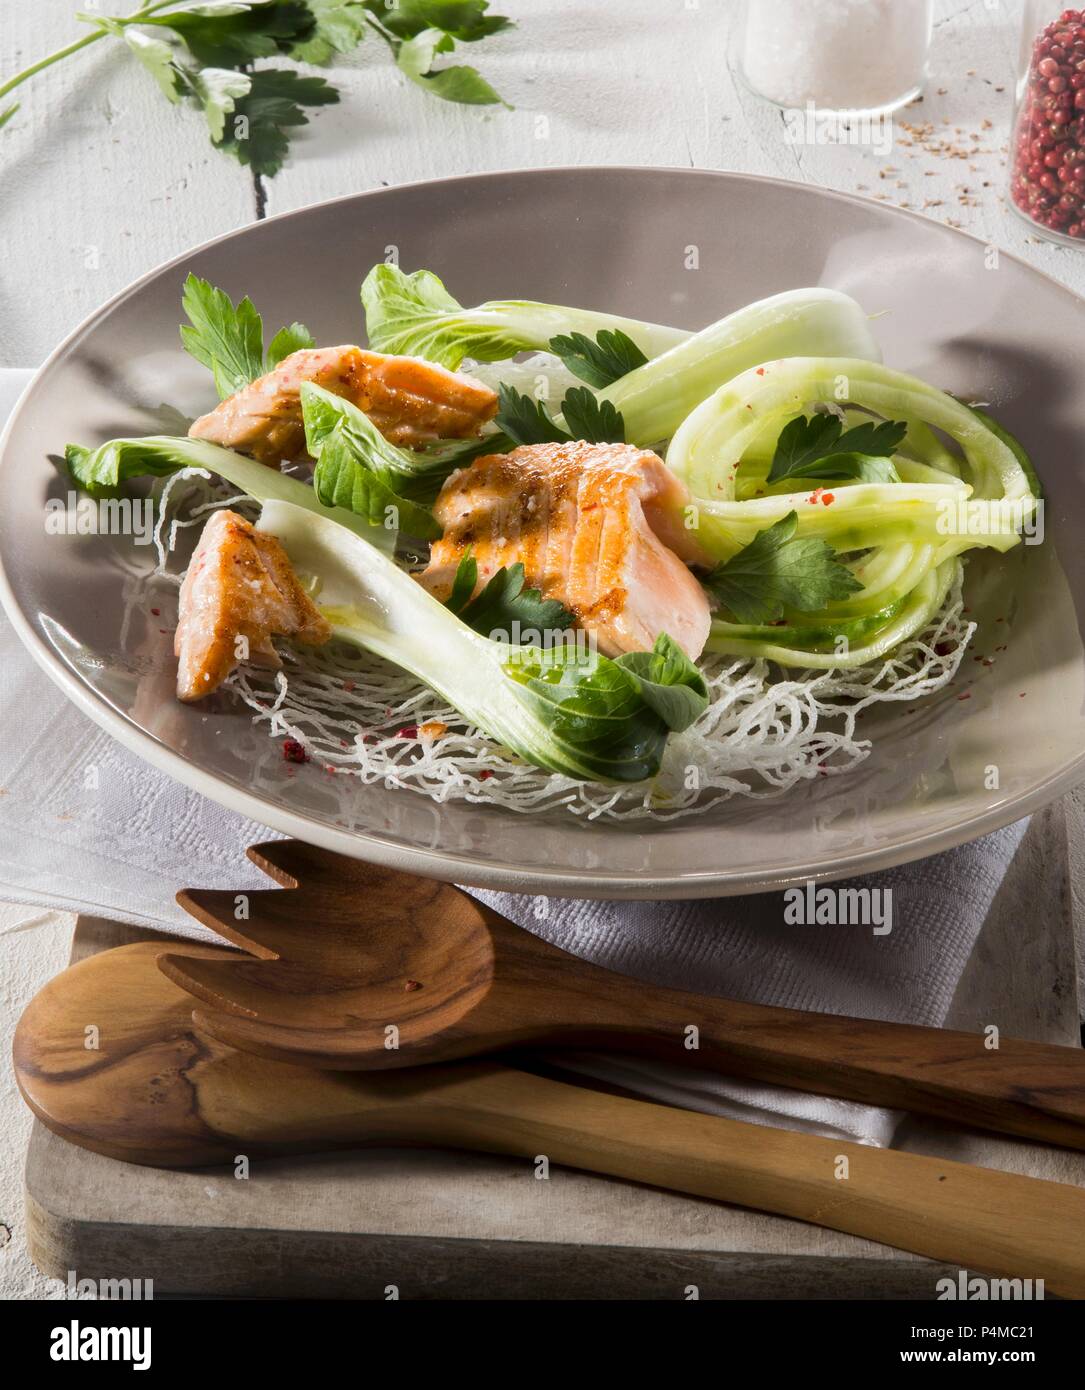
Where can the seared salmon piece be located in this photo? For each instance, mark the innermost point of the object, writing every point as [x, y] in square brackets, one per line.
[598, 526]
[412, 402]
[238, 590]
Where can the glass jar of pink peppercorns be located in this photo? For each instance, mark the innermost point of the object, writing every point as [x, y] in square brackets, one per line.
[1047, 153]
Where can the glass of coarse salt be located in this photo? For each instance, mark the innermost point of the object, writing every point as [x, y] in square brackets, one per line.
[853, 57]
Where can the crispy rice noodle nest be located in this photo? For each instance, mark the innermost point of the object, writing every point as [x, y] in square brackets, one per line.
[763, 732]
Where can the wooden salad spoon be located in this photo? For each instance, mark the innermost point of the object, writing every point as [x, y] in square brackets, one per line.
[156, 1090]
[362, 967]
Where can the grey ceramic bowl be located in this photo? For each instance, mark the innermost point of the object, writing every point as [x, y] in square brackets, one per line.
[615, 239]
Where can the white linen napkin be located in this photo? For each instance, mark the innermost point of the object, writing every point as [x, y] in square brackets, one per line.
[123, 848]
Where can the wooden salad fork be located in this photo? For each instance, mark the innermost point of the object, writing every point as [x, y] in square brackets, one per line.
[156, 1090]
[361, 967]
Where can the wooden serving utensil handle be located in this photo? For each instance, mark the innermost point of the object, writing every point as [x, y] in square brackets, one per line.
[1036, 1090]
[975, 1218]
[154, 1090]
[483, 985]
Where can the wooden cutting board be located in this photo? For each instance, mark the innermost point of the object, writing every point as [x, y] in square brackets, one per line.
[442, 1225]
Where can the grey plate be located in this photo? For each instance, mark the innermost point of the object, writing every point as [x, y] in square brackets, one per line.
[616, 239]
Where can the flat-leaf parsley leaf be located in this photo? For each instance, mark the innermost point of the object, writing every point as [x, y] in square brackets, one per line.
[504, 606]
[228, 339]
[819, 447]
[611, 356]
[776, 572]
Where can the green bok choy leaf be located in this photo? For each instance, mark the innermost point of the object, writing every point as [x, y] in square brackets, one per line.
[104, 468]
[415, 315]
[564, 708]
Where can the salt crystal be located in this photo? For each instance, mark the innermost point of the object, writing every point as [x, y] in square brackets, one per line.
[839, 54]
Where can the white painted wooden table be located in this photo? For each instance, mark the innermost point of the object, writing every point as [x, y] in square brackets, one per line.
[100, 180]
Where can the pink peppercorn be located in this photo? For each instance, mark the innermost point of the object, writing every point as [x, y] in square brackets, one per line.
[1047, 181]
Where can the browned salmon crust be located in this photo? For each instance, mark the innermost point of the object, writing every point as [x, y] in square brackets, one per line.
[238, 590]
[594, 525]
[412, 402]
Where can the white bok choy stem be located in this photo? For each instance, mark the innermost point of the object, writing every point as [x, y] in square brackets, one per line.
[654, 399]
[707, 449]
[415, 315]
[568, 709]
[118, 460]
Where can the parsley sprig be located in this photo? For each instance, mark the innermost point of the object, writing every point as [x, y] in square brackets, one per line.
[200, 53]
[527, 421]
[777, 571]
[611, 356]
[504, 604]
[819, 447]
[228, 339]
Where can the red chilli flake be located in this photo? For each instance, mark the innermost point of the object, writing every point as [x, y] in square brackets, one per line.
[408, 731]
[485, 774]
[828, 499]
[760, 371]
[294, 752]
[156, 611]
[966, 696]
[411, 986]
[815, 496]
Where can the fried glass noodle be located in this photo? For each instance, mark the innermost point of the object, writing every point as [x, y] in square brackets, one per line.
[764, 730]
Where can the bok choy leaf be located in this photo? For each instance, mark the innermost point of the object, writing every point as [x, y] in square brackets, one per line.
[414, 314]
[106, 467]
[655, 399]
[565, 709]
[415, 474]
[989, 507]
